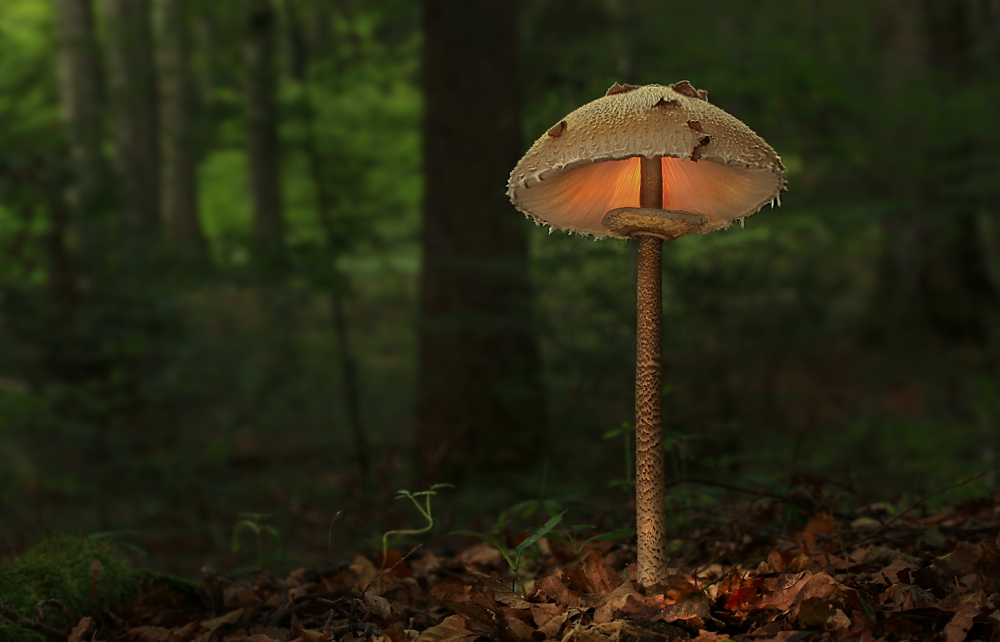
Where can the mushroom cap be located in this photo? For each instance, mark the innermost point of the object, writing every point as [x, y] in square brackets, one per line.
[587, 164]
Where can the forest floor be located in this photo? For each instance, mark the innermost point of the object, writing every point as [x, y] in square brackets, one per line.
[858, 575]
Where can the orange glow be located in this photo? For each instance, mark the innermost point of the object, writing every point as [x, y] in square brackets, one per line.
[580, 197]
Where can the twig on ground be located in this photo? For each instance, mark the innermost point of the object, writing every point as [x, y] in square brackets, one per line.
[923, 499]
[52, 602]
[31, 624]
[329, 536]
[386, 571]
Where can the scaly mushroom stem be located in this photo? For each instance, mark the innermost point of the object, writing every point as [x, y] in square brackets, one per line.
[651, 516]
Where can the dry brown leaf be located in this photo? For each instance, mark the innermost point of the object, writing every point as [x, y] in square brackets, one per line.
[693, 606]
[553, 626]
[961, 561]
[552, 588]
[542, 613]
[958, 628]
[592, 575]
[229, 618]
[615, 602]
[378, 605]
[279, 634]
[145, 634]
[503, 593]
[520, 629]
[76, 635]
[453, 628]
[905, 597]
[818, 587]
[809, 539]
[364, 571]
[780, 592]
[479, 554]
[185, 633]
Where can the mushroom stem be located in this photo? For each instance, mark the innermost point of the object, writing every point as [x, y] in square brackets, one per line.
[651, 516]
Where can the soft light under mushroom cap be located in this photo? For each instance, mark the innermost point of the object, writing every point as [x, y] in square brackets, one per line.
[587, 164]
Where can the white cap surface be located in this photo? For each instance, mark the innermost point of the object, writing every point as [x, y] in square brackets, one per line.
[587, 164]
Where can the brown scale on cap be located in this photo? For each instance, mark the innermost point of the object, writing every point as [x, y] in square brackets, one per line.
[587, 165]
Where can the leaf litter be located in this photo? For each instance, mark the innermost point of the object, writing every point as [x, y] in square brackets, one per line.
[857, 576]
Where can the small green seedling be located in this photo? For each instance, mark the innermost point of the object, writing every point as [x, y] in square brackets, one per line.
[252, 523]
[571, 536]
[513, 556]
[528, 507]
[425, 511]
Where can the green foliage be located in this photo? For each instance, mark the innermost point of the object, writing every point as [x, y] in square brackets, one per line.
[58, 568]
[513, 556]
[252, 522]
[571, 536]
[424, 510]
[222, 384]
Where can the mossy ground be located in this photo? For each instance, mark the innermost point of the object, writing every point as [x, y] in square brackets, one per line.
[59, 568]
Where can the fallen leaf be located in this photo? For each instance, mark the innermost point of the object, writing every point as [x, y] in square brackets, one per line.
[905, 597]
[76, 635]
[592, 575]
[958, 628]
[145, 634]
[452, 629]
[552, 588]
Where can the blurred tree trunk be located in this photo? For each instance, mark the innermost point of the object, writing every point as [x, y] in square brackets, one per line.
[79, 83]
[134, 123]
[301, 53]
[262, 121]
[179, 205]
[480, 398]
[933, 265]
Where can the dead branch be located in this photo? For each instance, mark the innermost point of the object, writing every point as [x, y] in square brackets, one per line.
[31, 624]
[923, 499]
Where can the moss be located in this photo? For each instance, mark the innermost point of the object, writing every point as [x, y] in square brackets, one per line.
[58, 568]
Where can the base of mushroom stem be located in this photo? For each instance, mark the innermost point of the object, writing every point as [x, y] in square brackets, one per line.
[664, 224]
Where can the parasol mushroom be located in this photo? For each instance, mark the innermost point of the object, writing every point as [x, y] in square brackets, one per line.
[652, 163]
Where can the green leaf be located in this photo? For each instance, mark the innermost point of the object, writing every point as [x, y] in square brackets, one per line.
[277, 538]
[495, 541]
[622, 533]
[539, 534]
[238, 530]
[487, 537]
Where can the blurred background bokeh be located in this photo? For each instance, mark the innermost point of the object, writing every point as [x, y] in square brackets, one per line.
[256, 255]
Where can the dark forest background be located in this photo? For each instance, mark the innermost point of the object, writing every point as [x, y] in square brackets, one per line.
[256, 256]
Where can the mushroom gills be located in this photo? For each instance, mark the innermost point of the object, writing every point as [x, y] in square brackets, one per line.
[578, 198]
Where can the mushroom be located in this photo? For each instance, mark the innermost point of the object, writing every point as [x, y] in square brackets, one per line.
[651, 163]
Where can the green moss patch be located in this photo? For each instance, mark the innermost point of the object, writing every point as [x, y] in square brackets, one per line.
[59, 568]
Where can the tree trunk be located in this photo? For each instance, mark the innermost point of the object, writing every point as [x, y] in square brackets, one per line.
[325, 205]
[933, 267]
[132, 94]
[480, 398]
[79, 82]
[179, 205]
[262, 121]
